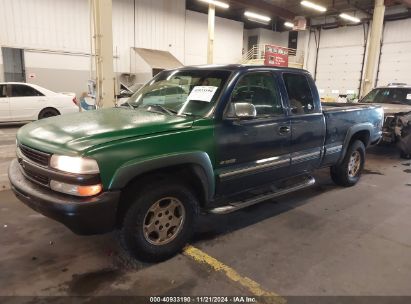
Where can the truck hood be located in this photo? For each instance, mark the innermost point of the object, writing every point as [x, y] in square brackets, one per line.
[75, 133]
[392, 108]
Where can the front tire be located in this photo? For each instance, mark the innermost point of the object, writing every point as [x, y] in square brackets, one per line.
[348, 172]
[160, 221]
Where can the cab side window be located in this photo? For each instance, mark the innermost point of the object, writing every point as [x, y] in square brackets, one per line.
[299, 93]
[21, 90]
[259, 89]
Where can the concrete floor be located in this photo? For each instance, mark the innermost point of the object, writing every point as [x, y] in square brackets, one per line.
[7, 151]
[325, 240]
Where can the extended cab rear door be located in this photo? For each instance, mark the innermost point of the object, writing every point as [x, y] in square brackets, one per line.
[253, 151]
[307, 121]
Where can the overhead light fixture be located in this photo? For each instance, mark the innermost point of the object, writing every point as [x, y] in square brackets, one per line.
[256, 17]
[289, 24]
[313, 6]
[350, 18]
[217, 3]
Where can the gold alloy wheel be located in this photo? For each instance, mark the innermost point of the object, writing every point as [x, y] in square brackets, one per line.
[163, 221]
[354, 164]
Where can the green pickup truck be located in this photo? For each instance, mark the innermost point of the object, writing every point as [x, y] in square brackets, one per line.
[209, 138]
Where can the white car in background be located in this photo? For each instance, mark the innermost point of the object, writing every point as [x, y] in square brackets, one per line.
[26, 102]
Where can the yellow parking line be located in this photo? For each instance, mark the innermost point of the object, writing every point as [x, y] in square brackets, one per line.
[255, 288]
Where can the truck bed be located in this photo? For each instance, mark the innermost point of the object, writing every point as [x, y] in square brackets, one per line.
[338, 106]
[340, 117]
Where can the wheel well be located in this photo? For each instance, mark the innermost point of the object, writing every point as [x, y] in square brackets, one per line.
[191, 175]
[49, 108]
[363, 135]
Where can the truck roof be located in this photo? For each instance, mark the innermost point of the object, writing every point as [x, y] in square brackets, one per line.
[395, 86]
[242, 67]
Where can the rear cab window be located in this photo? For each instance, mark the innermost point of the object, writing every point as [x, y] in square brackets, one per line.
[299, 93]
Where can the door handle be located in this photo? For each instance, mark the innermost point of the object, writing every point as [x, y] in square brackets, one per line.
[284, 130]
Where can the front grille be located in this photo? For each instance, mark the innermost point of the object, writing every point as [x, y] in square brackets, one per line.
[39, 178]
[36, 156]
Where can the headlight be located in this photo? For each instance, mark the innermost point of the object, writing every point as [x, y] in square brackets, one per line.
[75, 189]
[72, 164]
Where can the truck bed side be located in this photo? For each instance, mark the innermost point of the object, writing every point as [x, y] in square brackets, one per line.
[345, 122]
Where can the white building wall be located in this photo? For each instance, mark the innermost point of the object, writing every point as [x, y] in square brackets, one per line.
[1, 67]
[271, 37]
[340, 57]
[160, 25]
[266, 37]
[228, 41]
[123, 32]
[55, 36]
[395, 61]
[45, 24]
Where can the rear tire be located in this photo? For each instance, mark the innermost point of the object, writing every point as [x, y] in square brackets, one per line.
[48, 112]
[405, 155]
[160, 221]
[348, 172]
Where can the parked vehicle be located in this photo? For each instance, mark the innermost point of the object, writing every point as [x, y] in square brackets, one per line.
[26, 102]
[244, 134]
[396, 101]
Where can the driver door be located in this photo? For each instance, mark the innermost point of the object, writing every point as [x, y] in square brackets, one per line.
[253, 151]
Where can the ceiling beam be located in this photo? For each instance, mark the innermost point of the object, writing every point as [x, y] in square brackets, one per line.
[261, 6]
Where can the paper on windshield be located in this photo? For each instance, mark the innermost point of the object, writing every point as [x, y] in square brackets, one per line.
[409, 96]
[202, 93]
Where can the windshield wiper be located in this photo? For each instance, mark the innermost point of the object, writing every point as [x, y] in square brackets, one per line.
[190, 114]
[127, 104]
[164, 109]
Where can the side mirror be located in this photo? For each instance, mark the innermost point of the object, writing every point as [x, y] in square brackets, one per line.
[244, 110]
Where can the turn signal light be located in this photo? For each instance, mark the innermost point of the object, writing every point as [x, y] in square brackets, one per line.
[77, 190]
[89, 190]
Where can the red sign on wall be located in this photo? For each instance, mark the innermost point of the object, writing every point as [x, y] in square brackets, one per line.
[276, 56]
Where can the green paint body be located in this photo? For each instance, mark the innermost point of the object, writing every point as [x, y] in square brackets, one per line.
[120, 137]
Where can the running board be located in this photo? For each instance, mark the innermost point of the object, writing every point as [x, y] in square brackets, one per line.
[234, 206]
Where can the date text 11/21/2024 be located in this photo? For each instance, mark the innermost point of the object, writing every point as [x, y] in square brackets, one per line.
[203, 299]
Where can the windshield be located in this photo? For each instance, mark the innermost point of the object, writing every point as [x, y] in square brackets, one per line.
[389, 95]
[181, 92]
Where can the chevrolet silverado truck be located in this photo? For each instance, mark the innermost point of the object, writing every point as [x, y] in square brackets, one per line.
[210, 139]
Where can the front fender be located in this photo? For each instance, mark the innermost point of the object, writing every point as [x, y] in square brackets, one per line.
[134, 168]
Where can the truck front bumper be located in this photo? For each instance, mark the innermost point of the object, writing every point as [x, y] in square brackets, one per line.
[82, 215]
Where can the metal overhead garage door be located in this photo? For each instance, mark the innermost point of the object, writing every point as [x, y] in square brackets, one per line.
[395, 60]
[340, 61]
